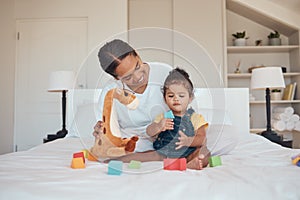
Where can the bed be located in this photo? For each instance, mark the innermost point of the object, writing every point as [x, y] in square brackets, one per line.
[252, 167]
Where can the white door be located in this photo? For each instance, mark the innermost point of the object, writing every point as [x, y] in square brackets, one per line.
[44, 45]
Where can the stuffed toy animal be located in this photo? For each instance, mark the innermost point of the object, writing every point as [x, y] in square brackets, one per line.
[107, 145]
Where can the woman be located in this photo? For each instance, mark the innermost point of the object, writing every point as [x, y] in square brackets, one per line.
[145, 80]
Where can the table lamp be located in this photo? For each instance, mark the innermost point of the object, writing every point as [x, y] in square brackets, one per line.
[268, 78]
[61, 81]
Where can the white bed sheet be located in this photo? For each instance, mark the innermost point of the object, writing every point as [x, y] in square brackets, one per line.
[44, 172]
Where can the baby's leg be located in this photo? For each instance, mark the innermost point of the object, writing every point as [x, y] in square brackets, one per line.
[198, 159]
[142, 156]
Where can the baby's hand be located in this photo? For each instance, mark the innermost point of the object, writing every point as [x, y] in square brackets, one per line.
[184, 140]
[166, 124]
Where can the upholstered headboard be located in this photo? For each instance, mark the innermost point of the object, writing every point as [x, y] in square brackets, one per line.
[218, 105]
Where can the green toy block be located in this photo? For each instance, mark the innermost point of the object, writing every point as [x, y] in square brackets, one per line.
[115, 167]
[215, 161]
[169, 115]
[134, 164]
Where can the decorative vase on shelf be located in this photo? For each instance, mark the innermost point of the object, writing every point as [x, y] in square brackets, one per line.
[274, 38]
[239, 38]
[240, 42]
[274, 41]
[276, 95]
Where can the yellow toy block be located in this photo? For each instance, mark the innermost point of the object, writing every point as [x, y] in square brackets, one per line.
[85, 152]
[77, 163]
[294, 161]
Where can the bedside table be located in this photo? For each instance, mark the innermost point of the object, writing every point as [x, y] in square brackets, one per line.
[296, 139]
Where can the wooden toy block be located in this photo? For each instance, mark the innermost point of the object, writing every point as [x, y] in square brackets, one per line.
[293, 157]
[215, 161]
[115, 167]
[77, 163]
[85, 152]
[296, 160]
[91, 157]
[79, 155]
[175, 164]
[134, 164]
[169, 115]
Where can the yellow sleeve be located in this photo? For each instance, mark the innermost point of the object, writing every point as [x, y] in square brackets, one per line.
[158, 118]
[198, 121]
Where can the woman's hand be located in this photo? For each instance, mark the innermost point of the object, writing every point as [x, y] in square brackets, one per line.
[98, 129]
[184, 140]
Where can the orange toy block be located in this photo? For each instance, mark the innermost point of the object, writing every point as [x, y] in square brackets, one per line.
[175, 164]
[79, 155]
[91, 157]
[77, 163]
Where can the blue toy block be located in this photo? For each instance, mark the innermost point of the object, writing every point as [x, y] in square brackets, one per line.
[115, 167]
[298, 163]
[169, 115]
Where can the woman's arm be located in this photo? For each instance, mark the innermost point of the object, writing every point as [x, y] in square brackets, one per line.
[196, 141]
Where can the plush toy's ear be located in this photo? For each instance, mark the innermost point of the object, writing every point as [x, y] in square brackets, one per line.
[125, 97]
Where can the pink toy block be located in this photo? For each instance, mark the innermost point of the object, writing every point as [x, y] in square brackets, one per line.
[175, 164]
[79, 155]
[77, 163]
[293, 157]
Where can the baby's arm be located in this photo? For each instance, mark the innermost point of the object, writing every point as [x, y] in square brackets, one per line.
[156, 127]
[195, 141]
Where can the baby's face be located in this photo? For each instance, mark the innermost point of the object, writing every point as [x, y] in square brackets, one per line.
[177, 98]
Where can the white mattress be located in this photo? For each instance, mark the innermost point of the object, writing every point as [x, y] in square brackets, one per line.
[254, 169]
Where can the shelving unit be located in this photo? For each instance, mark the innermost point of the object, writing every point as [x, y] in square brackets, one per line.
[286, 55]
[261, 49]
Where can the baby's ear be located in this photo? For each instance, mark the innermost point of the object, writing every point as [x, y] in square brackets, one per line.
[191, 98]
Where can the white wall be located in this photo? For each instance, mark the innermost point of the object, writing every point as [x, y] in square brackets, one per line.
[105, 18]
[7, 61]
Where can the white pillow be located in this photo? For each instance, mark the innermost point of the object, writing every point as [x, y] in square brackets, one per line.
[221, 139]
[84, 121]
[215, 116]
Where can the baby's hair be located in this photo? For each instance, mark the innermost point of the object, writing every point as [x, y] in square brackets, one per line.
[179, 76]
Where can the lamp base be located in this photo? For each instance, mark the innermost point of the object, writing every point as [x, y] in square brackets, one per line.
[273, 137]
[62, 133]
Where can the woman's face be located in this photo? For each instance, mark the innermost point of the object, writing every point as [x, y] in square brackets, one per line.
[134, 73]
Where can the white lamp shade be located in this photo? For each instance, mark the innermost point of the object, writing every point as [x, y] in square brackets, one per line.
[267, 77]
[61, 80]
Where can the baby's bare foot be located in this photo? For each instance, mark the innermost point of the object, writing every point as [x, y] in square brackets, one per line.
[196, 163]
